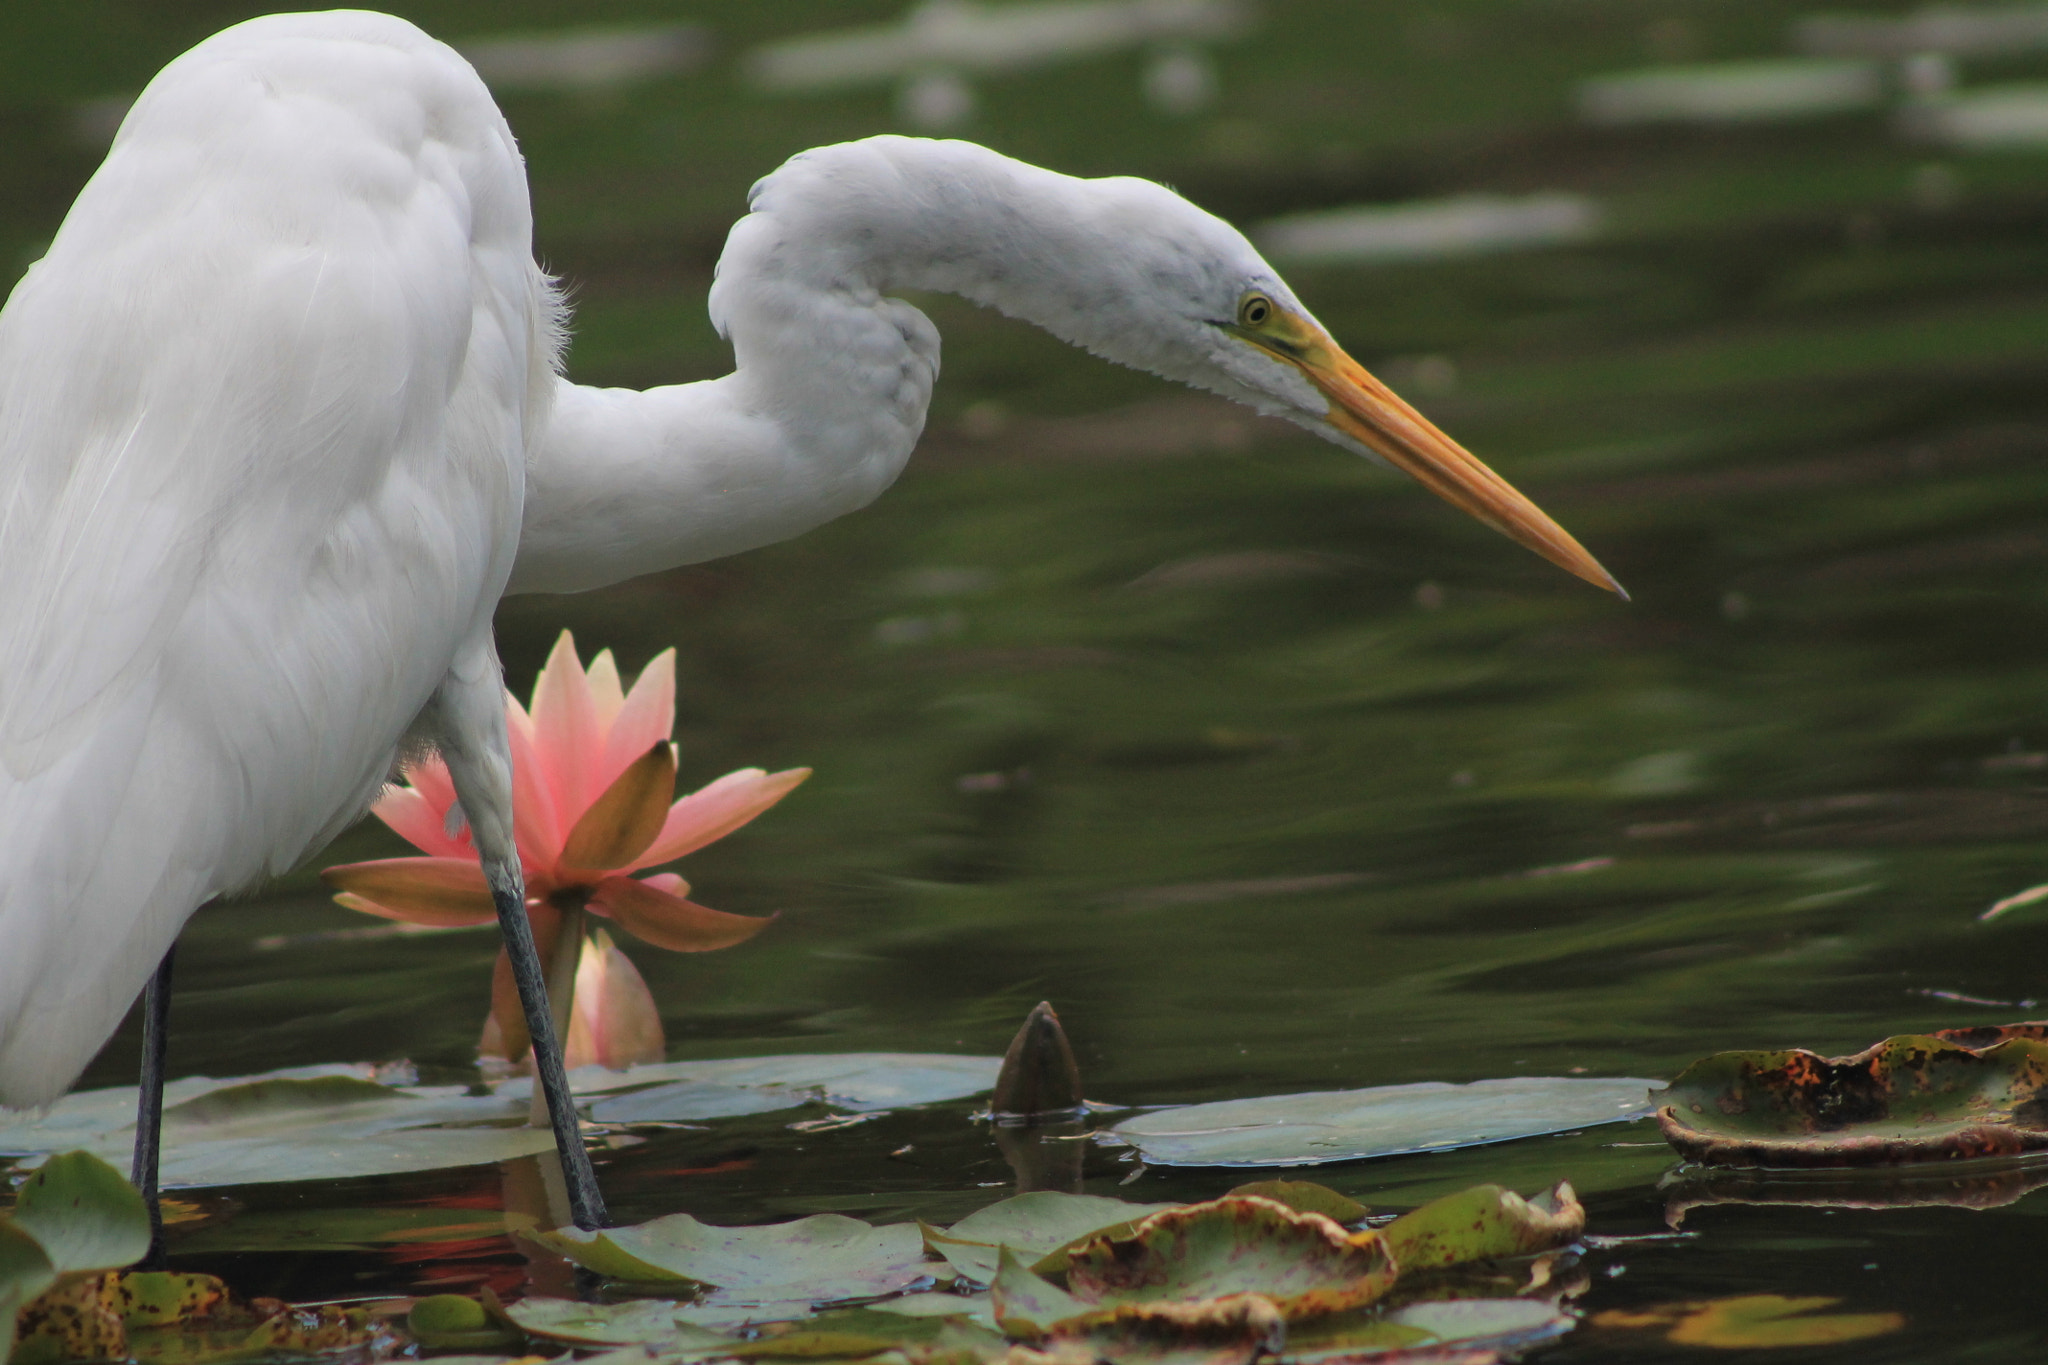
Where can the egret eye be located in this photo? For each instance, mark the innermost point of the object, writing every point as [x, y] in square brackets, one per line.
[1254, 310]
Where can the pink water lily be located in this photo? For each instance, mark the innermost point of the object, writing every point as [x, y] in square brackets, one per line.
[593, 773]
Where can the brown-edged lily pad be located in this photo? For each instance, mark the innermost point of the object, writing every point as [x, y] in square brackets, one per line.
[1483, 1223]
[1034, 1225]
[1909, 1098]
[1305, 1263]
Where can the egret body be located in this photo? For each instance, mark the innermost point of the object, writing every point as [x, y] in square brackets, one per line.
[280, 421]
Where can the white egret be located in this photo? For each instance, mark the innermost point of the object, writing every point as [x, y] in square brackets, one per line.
[280, 422]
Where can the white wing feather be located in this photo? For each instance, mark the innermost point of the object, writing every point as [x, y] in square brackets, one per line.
[264, 409]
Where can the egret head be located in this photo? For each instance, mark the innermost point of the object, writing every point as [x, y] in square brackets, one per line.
[1215, 314]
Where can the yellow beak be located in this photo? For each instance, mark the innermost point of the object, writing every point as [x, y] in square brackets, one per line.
[1371, 413]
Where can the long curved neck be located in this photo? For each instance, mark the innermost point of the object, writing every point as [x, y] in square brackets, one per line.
[832, 377]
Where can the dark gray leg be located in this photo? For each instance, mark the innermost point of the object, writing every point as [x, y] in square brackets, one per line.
[149, 1101]
[586, 1201]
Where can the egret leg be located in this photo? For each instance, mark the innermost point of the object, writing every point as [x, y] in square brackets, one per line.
[149, 1100]
[586, 1201]
[467, 721]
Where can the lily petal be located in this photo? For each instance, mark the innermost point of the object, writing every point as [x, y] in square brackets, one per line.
[413, 818]
[647, 718]
[429, 776]
[536, 826]
[565, 728]
[505, 1032]
[715, 811]
[616, 1022]
[606, 692]
[669, 921]
[620, 825]
[442, 891]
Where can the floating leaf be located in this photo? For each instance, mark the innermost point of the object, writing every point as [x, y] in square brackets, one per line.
[310, 1123]
[1234, 1330]
[841, 1334]
[162, 1298]
[1483, 1223]
[651, 1321]
[84, 1214]
[337, 1122]
[1034, 1225]
[978, 1309]
[1908, 1098]
[1348, 1125]
[455, 1321]
[823, 1257]
[1303, 1262]
[851, 1080]
[74, 1321]
[25, 1272]
[1505, 1324]
[1752, 1321]
[1305, 1196]
[1026, 1305]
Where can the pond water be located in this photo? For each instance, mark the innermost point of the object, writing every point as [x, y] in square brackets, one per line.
[1272, 773]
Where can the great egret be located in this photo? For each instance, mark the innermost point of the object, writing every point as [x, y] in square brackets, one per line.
[280, 422]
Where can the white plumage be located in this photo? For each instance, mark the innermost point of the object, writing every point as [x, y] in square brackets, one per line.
[276, 403]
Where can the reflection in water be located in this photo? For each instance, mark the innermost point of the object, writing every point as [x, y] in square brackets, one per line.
[1955, 1184]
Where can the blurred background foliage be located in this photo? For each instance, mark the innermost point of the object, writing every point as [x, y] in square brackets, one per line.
[1268, 769]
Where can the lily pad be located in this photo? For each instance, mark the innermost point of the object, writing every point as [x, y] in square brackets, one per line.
[649, 1321]
[1483, 1223]
[1909, 1098]
[1305, 1196]
[817, 1259]
[1025, 1304]
[1225, 1331]
[1304, 1263]
[1350, 1125]
[1034, 1225]
[860, 1081]
[84, 1214]
[324, 1123]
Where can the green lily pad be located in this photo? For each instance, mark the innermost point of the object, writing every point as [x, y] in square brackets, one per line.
[1305, 1196]
[816, 1259]
[1388, 1120]
[1906, 1099]
[1306, 1264]
[25, 1272]
[1025, 1305]
[1034, 1225]
[458, 1322]
[636, 1321]
[978, 1309]
[1483, 1223]
[860, 1081]
[312, 1123]
[84, 1214]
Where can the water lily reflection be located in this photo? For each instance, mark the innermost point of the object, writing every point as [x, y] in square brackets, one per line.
[593, 774]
